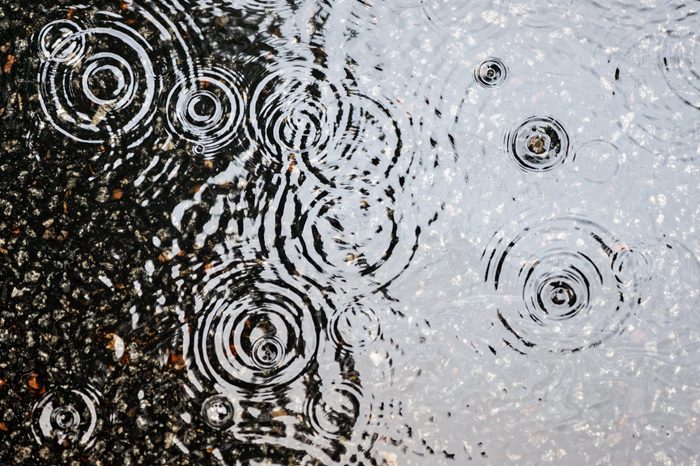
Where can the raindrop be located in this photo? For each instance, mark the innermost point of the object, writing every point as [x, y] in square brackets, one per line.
[491, 72]
[67, 416]
[559, 287]
[254, 341]
[206, 110]
[538, 144]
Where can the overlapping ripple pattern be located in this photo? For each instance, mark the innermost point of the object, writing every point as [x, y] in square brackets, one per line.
[358, 232]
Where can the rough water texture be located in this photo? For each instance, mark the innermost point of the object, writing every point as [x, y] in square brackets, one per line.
[373, 232]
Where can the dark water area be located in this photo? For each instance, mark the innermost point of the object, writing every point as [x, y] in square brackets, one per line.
[371, 232]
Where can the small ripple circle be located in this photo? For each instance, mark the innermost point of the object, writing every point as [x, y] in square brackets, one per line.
[207, 110]
[96, 84]
[538, 144]
[491, 72]
[218, 411]
[332, 411]
[67, 416]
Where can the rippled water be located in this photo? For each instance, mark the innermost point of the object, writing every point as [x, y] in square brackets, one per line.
[373, 232]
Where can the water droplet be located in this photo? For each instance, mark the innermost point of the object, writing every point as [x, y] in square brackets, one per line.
[67, 416]
[206, 110]
[491, 72]
[538, 144]
[218, 411]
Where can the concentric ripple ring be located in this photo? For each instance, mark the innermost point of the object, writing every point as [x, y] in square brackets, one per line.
[99, 95]
[67, 416]
[538, 144]
[255, 342]
[207, 111]
[559, 287]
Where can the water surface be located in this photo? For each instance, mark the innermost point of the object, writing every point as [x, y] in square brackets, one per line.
[372, 232]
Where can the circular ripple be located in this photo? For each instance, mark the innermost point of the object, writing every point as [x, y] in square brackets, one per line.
[67, 416]
[654, 73]
[338, 134]
[218, 411]
[97, 84]
[538, 144]
[491, 72]
[679, 60]
[354, 327]
[332, 412]
[61, 41]
[258, 341]
[352, 240]
[559, 274]
[632, 266]
[366, 145]
[207, 111]
[597, 161]
[295, 109]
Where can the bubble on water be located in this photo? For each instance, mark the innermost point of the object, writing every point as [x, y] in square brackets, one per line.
[218, 411]
[559, 275]
[67, 416]
[491, 72]
[255, 340]
[207, 110]
[538, 144]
